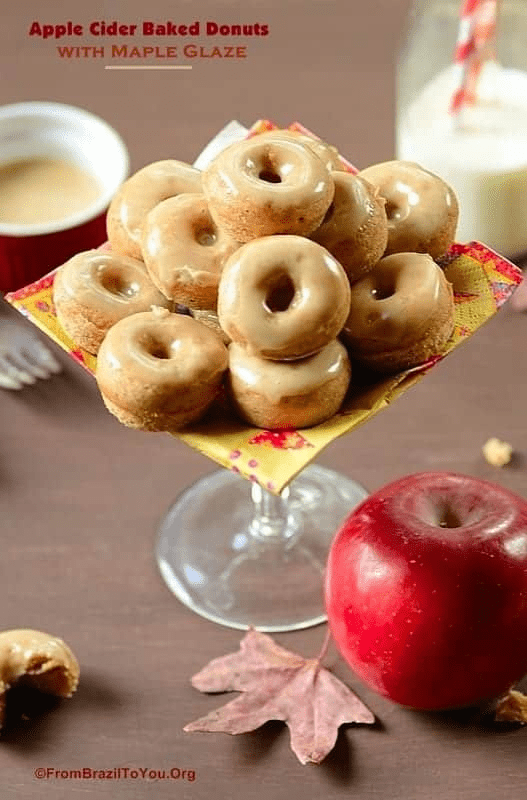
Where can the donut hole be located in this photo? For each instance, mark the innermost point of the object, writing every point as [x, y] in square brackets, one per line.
[393, 211]
[160, 351]
[280, 294]
[269, 176]
[157, 348]
[116, 283]
[399, 207]
[206, 236]
[268, 170]
[384, 290]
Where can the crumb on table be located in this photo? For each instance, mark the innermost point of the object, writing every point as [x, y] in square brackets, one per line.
[496, 452]
[512, 708]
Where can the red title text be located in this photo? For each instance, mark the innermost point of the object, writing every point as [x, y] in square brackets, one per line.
[103, 28]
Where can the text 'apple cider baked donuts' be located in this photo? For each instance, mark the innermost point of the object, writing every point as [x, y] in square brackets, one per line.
[159, 371]
[283, 297]
[94, 290]
[401, 313]
[140, 194]
[184, 251]
[267, 185]
[422, 209]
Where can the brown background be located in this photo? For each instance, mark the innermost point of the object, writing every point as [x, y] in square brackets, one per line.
[81, 497]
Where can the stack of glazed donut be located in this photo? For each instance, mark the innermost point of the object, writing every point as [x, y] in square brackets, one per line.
[268, 274]
[286, 367]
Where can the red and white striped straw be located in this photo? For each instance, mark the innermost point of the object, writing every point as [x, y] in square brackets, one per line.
[475, 46]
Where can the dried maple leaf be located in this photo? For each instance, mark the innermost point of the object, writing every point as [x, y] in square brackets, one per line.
[279, 685]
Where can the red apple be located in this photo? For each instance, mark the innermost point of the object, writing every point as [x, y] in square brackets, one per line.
[426, 590]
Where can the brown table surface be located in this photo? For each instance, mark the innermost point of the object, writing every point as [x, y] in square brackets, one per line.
[81, 497]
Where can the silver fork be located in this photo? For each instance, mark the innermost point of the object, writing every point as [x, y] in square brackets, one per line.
[23, 357]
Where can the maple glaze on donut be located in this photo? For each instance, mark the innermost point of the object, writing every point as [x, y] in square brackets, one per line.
[355, 228]
[288, 394]
[159, 371]
[422, 209]
[267, 185]
[139, 195]
[184, 250]
[94, 290]
[401, 313]
[282, 297]
[326, 152]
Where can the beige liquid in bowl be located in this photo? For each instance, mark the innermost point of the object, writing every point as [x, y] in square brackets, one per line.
[40, 190]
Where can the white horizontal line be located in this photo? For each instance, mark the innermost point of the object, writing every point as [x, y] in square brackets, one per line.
[145, 66]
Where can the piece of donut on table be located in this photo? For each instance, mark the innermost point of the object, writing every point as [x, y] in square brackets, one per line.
[140, 194]
[288, 394]
[159, 371]
[95, 289]
[282, 297]
[401, 313]
[422, 209]
[184, 251]
[267, 185]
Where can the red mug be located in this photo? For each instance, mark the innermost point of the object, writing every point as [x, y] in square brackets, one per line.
[40, 130]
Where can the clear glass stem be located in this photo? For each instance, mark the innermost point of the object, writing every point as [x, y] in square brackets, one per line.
[271, 520]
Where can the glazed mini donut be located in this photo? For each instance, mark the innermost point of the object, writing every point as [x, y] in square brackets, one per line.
[139, 194]
[422, 209]
[159, 371]
[326, 152]
[267, 185]
[282, 297]
[355, 228]
[95, 289]
[184, 251]
[288, 394]
[401, 313]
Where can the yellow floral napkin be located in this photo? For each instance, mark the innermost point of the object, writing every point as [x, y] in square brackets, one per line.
[482, 282]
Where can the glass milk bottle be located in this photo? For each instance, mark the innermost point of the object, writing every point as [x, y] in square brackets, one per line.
[462, 111]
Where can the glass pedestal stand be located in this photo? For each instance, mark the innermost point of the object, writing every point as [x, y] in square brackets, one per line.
[243, 557]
